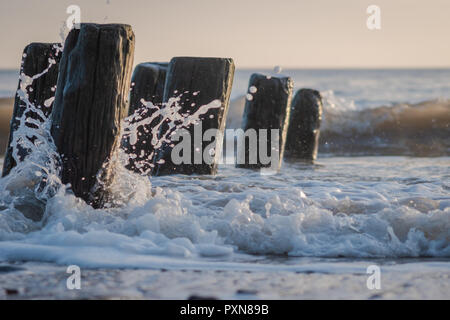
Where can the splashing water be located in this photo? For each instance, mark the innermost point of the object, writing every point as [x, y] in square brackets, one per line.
[277, 69]
[37, 176]
[341, 207]
[163, 122]
[35, 180]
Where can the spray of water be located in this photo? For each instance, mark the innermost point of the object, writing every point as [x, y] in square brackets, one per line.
[159, 127]
[35, 179]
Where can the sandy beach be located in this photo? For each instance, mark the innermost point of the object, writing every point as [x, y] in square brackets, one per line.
[6, 109]
[404, 280]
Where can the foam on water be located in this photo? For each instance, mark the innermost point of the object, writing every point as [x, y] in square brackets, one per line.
[341, 207]
[419, 129]
[323, 211]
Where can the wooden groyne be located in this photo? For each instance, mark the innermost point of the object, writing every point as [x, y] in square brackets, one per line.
[92, 79]
[199, 81]
[37, 82]
[267, 108]
[90, 103]
[147, 86]
[302, 140]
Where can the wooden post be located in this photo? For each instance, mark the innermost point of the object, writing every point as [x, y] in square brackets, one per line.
[199, 81]
[91, 100]
[38, 58]
[303, 135]
[147, 84]
[267, 107]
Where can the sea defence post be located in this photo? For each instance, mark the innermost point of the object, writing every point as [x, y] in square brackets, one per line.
[197, 82]
[90, 102]
[147, 85]
[38, 76]
[302, 140]
[267, 107]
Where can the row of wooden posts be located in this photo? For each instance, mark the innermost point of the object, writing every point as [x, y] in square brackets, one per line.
[92, 78]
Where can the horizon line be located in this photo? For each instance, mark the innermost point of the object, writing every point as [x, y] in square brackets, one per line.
[265, 68]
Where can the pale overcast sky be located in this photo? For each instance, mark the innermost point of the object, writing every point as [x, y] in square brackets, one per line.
[256, 33]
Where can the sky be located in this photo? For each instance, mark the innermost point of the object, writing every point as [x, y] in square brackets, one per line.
[255, 33]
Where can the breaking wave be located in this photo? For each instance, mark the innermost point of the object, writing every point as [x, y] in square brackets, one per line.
[340, 207]
[421, 129]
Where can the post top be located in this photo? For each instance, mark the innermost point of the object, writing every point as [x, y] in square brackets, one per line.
[230, 60]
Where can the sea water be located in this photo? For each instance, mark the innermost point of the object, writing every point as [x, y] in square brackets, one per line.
[388, 205]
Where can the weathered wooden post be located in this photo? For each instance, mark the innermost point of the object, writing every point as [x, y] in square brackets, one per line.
[302, 140]
[147, 84]
[267, 107]
[91, 100]
[198, 82]
[40, 60]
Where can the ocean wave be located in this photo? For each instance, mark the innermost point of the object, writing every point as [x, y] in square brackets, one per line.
[339, 207]
[420, 129]
[238, 212]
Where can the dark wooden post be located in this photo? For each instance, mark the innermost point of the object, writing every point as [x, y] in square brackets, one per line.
[267, 107]
[199, 81]
[147, 84]
[302, 140]
[40, 60]
[91, 100]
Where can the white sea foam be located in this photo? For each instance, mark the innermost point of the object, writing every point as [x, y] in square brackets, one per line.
[342, 207]
[318, 213]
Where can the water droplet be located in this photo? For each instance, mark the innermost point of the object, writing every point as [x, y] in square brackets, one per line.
[49, 101]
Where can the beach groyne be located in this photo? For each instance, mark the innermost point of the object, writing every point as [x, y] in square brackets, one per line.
[90, 102]
[33, 100]
[302, 141]
[146, 95]
[201, 87]
[266, 113]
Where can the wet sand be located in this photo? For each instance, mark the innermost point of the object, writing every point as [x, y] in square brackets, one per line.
[48, 281]
[6, 109]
